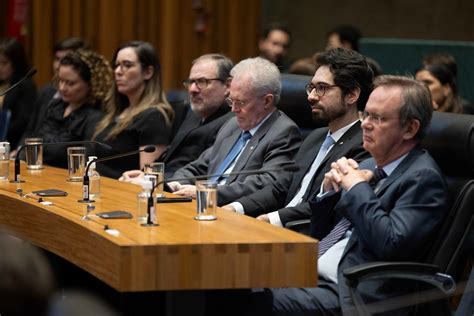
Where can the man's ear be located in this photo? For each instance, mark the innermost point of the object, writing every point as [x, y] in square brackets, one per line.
[268, 100]
[148, 72]
[411, 129]
[352, 96]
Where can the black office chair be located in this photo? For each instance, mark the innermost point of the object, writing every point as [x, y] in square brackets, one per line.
[451, 143]
[294, 102]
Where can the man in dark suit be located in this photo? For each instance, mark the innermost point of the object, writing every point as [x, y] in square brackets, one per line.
[386, 208]
[259, 136]
[208, 86]
[338, 91]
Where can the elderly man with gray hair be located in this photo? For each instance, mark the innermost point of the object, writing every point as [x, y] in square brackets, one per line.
[258, 137]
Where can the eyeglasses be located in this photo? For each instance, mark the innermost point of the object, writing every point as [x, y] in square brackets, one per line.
[237, 103]
[320, 88]
[201, 83]
[374, 118]
[125, 65]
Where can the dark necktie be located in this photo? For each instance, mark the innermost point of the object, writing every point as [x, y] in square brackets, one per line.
[343, 225]
[233, 153]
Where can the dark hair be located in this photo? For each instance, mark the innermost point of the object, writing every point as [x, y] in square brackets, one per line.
[347, 33]
[443, 74]
[71, 43]
[350, 71]
[416, 98]
[224, 64]
[15, 52]
[276, 27]
[94, 69]
[444, 59]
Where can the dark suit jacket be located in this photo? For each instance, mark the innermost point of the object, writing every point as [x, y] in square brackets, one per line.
[394, 224]
[276, 196]
[273, 145]
[192, 138]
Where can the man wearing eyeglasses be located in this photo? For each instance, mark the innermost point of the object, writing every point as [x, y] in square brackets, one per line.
[258, 137]
[338, 91]
[387, 208]
[207, 86]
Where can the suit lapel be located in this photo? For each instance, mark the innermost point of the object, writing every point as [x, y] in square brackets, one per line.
[305, 165]
[191, 122]
[252, 144]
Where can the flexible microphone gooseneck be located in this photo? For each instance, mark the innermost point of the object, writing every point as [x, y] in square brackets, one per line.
[29, 74]
[85, 180]
[20, 149]
[288, 168]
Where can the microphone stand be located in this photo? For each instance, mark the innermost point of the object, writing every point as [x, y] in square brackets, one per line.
[17, 158]
[85, 179]
[149, 207]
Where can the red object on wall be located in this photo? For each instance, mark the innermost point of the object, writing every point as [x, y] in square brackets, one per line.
[18, 11]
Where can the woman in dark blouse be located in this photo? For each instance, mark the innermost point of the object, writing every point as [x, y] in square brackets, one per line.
[19, 101]
[84, 83]
[138, 114]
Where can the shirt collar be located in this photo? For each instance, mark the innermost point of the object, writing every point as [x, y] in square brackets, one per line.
[394, 164]
[338, 134]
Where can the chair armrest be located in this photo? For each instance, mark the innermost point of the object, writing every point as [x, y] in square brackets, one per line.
[427, 273]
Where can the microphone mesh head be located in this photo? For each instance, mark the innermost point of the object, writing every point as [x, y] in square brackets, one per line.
[149, 149]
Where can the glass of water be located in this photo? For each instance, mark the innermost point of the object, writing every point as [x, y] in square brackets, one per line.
[156, 169]
[34, 153]
[206, 198]
[4, 160]
[76, 162]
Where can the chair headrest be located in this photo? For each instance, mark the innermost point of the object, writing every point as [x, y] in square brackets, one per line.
[450, 141]
[294, 101]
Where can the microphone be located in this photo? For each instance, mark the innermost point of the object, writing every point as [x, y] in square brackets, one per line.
[20, 149]
[29, 74]
[85, 180]
[289, 168]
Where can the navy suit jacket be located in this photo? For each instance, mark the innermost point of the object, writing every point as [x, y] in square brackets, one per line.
[394, 224]
[273, 146]
[277, 195]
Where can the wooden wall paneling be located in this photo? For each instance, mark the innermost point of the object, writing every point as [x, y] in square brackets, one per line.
[42, 39]
[109, 30]
[78, 17]
[91, 23]
[127, 20]
[169, 42]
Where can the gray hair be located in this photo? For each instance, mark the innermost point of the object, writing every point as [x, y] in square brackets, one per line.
[224, 64]
[416, 100]
[264, 76]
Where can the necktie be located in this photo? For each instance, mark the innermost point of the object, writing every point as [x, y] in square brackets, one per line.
[233, 153]
[343, 225]
[328, 142]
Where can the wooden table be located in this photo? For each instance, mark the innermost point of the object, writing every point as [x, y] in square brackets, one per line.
[235, 251]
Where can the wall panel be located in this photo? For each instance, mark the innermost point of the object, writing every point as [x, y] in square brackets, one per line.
[172, 26]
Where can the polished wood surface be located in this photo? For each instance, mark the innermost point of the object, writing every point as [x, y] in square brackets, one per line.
[235, 251]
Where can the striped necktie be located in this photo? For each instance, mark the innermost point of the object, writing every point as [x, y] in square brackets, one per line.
[343, 225]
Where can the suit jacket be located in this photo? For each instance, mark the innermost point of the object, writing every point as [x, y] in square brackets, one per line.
[276, 196]
[273, 145]
[394, 224]
[192, 138]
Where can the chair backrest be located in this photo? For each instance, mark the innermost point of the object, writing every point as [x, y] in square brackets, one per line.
[451, 143]
[4, 121]
[294, 102]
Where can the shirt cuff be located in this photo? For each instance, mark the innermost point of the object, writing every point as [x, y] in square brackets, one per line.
[238, 207]
[274, 218]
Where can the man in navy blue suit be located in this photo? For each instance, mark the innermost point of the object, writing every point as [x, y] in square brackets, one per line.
[359, 220]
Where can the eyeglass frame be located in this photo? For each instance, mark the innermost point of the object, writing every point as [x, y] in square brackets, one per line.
[125, 65]
[241, 104]
[205, 81]
[322, 87]
[374, 118]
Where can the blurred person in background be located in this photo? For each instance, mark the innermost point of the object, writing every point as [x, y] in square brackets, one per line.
[19, 101]
[274, 45]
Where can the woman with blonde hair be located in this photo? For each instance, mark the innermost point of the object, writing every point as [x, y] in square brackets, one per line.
[138, 114]
[84, 80]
